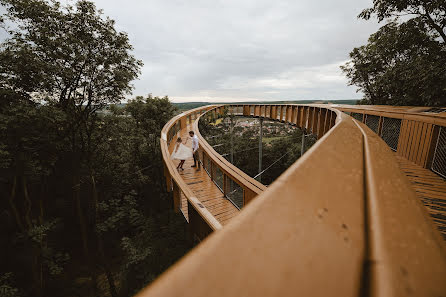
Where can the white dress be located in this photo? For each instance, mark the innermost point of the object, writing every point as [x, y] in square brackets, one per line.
[183, 153]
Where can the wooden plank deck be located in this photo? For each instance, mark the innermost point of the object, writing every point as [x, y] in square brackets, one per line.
[430, 188]
[205, 190]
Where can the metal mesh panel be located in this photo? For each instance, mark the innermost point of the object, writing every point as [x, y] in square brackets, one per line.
[357, 116]
[439, 160]
[390, 132]
[251, 110]
[279, 110]
[372, 122]
[207, 163]
[234, 193]
[183, 205]
[218, 178]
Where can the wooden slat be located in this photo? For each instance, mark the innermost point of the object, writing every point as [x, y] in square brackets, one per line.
[422, 141]
[401, 138]
[415, 141]
[426, 146]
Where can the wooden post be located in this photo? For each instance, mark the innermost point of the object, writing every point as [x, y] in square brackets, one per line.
[310, 119]
[321, 124]
[176, 197]
[432, 146]
[168, 178]
[246, 110]
[260, 149]
[273, 112]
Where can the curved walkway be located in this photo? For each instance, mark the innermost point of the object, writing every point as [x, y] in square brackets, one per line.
[341, 221]
[203, 188]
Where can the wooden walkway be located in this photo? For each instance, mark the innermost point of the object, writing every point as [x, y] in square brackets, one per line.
[430, 188]
[204, 189]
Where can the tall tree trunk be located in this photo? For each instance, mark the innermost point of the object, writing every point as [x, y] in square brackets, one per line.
[12, 204]
[28, 203]
[104, 260]
[80, 215]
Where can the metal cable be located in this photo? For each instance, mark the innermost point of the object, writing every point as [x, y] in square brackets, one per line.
[260, 173]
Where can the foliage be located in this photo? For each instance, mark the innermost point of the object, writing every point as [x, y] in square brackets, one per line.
[432, 13]
[83, 184]
[65, 54]
[403, 62]
[6, 289]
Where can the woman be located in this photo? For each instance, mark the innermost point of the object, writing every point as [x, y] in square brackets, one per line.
[181, 152]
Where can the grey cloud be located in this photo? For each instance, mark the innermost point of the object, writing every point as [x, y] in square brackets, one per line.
[199, 49]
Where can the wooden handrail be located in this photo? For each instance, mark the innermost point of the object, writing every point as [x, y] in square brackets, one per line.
[312, 233]
[174, 175]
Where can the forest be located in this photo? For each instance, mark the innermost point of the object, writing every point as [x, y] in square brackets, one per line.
[84, 211]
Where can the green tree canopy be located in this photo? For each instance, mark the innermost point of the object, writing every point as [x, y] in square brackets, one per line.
[69, 55]
[403, 62]
[431, 12]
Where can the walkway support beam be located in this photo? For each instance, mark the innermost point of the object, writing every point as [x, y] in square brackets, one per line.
[259, 178]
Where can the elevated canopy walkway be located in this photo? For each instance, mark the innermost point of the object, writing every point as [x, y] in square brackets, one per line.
[347, 219]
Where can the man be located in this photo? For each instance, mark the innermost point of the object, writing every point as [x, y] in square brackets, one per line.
[195, 149]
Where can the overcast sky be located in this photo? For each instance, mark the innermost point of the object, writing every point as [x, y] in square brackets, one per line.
[208, 50]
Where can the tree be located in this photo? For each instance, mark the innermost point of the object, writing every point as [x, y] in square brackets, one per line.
[70, 55]
[58, 67]
[430, 12]
[403, 62]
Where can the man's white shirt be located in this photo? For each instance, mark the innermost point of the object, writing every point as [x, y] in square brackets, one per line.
[195, 143]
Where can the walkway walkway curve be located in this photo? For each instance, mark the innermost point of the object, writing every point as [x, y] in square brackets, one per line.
[343, 209]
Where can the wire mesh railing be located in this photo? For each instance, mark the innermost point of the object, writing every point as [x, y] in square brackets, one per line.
[372, 122]
[439, 159]
[390, 132]
[234, 192]
[357, 116]
[207, 164]
[183, 205]
[218, 178]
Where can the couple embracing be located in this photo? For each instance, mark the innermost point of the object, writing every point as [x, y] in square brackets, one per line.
[182, 152]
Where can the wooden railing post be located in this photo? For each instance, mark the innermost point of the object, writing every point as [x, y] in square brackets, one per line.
[431, 147]
[246, 110]
[321, 122]
[287, 113]
[257, 110]
[274, 112]
[304, 118]
[198, 229]
[176, 197]
[380, 126]
[168, 178]
[310, 119]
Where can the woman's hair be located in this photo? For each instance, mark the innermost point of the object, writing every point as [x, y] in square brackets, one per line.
[179, 139]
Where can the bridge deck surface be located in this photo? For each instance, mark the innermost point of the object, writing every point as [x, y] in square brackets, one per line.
[430, 188]
[204, 189]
